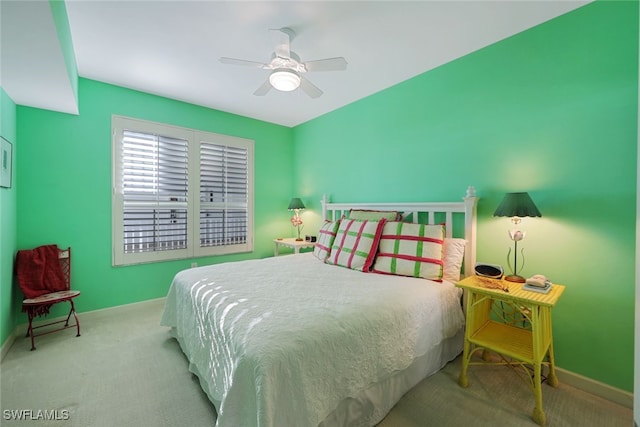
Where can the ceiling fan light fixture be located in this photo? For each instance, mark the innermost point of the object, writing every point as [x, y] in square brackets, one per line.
[284, 80]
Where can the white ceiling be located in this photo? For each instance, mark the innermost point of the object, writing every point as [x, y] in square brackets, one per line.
[172, 48]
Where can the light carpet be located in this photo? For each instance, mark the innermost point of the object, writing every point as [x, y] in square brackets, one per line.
[125, 370]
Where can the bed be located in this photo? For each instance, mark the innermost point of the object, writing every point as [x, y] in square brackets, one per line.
[317, 339]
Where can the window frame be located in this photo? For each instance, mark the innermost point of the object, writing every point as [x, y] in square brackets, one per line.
[194, 139]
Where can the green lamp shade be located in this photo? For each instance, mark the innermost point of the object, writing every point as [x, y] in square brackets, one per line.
[517, 204]
[295, 203]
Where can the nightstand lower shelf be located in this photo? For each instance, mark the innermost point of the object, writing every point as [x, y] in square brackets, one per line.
[505, 339]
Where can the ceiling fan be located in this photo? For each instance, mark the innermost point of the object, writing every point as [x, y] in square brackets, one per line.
[286, 67]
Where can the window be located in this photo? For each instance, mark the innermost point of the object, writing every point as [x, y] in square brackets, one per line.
[179, 193]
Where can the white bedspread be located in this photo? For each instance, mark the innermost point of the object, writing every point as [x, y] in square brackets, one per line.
[281, 341]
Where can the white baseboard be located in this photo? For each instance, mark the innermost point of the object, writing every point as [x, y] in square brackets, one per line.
[591, 386]
[134, 306]
[596, 388]
[6, 346]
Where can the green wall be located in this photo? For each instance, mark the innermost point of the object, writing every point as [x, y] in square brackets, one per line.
[551, 111]
[65, 192]
[7, 222]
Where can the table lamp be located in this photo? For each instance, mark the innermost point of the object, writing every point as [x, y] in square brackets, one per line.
[516, 206]
[296, 205]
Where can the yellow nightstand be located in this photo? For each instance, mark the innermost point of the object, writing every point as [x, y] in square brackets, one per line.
[521, 333]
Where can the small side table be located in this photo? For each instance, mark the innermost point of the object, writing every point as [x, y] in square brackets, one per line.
[521, 334]
[292, 243]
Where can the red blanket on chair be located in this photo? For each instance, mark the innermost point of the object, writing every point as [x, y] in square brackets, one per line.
[39, 271]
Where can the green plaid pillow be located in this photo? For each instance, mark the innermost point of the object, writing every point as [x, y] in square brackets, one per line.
[326, 236]
[356, 244]
[408, 249]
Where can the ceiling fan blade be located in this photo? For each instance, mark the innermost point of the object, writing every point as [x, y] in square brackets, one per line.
[243, 62]
[263, 89]
[309, 88]
[329, 64]
[282, 39]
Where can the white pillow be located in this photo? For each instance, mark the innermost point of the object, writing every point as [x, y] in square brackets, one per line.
[453, 257]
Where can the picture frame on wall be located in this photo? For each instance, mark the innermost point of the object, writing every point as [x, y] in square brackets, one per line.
[6, 161]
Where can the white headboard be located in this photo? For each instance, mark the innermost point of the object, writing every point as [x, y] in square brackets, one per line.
[467, 207]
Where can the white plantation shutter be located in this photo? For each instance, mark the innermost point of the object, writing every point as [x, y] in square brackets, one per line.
[224, 194]
[179, 193]
[154, 186]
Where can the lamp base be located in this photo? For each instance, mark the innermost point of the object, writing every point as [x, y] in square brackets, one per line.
[515, 278]
[299, 239]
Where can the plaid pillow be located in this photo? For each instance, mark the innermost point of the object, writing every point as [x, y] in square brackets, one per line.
[356, 244]
[326, 236]
[409, 249]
